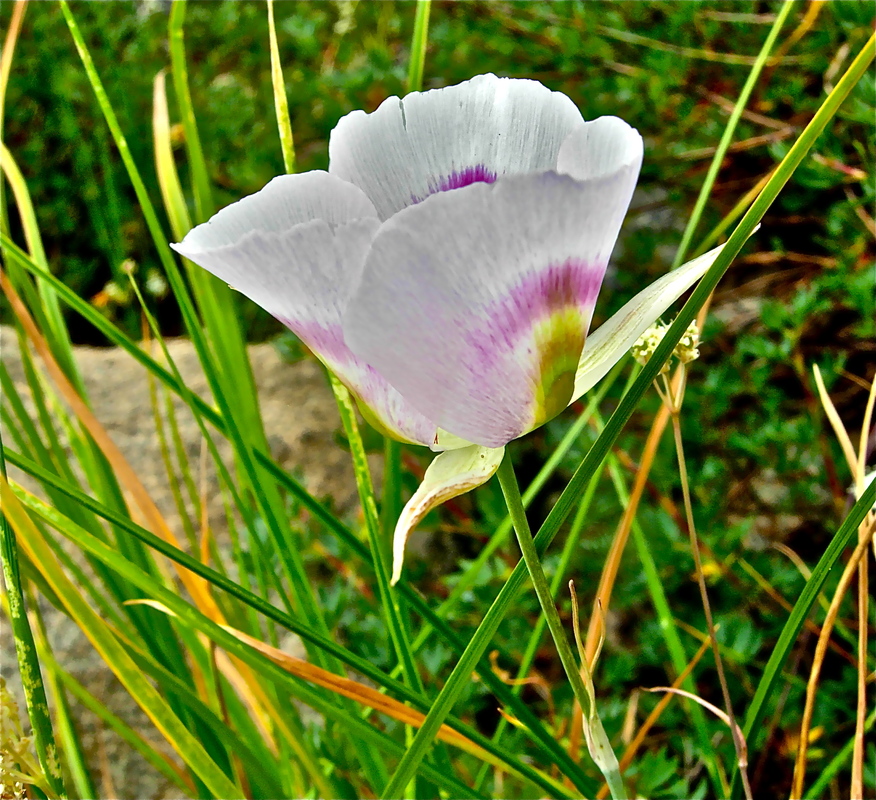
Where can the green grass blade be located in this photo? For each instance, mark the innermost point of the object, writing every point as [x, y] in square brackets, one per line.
[281, 101]
[55, 329]
[116, 657]
[190, 615]
[203, 194]
[481, 639]
[730, 129]
[26, 652]
[418, 46]
[165, 166]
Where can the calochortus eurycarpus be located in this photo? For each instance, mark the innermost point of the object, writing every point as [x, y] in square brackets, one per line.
[447, 265]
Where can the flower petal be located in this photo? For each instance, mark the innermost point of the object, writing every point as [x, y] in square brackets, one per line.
[601, 147]
[443, 139]
[475, 304]
[297, 249]
[286, 201]
[451, 474]
[611, 340]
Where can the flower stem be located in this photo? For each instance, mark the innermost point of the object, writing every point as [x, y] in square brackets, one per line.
[607, 761]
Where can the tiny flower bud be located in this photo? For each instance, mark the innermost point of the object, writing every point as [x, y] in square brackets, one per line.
[644, 348]
[687, 349]
[156, 285]
[116, 294]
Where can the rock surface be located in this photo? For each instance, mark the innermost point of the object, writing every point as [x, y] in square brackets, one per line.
[302, 425]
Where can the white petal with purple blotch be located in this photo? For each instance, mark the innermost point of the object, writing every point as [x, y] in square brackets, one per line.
[428, 142]
[613, 339]
[475, 304]
[451, 474]
[297, 249]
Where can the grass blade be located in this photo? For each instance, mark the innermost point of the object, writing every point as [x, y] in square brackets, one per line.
[155, 706]
[729, 130]
[418, 46]
[26, 652]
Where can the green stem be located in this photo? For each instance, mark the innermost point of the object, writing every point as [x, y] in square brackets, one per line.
[511, 491]
[390, 505]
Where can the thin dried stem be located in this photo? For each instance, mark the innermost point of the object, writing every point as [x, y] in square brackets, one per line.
[836, 423]
[738, 738]
[857, 787]
[820, 650]
[612, 563]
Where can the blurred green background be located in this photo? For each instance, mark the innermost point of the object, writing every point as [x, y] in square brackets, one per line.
[764, 466]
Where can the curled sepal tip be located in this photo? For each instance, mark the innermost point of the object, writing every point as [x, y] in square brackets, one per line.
[452, 473]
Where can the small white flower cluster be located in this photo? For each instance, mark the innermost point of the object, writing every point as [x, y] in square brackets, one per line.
[685, 351]
[688, 349]
[647, 343]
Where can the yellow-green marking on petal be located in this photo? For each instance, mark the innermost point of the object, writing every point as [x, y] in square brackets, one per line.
[559, 341]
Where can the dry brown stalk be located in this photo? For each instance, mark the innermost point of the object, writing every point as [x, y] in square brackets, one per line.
[818, 659]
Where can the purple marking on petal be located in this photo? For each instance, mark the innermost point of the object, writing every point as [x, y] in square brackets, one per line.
[476, 174]
[571, 284]
[458, 179]
[327, 342]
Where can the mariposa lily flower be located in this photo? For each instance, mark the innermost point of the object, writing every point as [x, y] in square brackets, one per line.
[447, 265]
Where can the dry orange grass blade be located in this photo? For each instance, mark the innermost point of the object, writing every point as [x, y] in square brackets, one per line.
[356, 691]
[818, 658]
[801, 30]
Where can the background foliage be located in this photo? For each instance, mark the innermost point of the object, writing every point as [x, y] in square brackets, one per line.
[764, 467]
